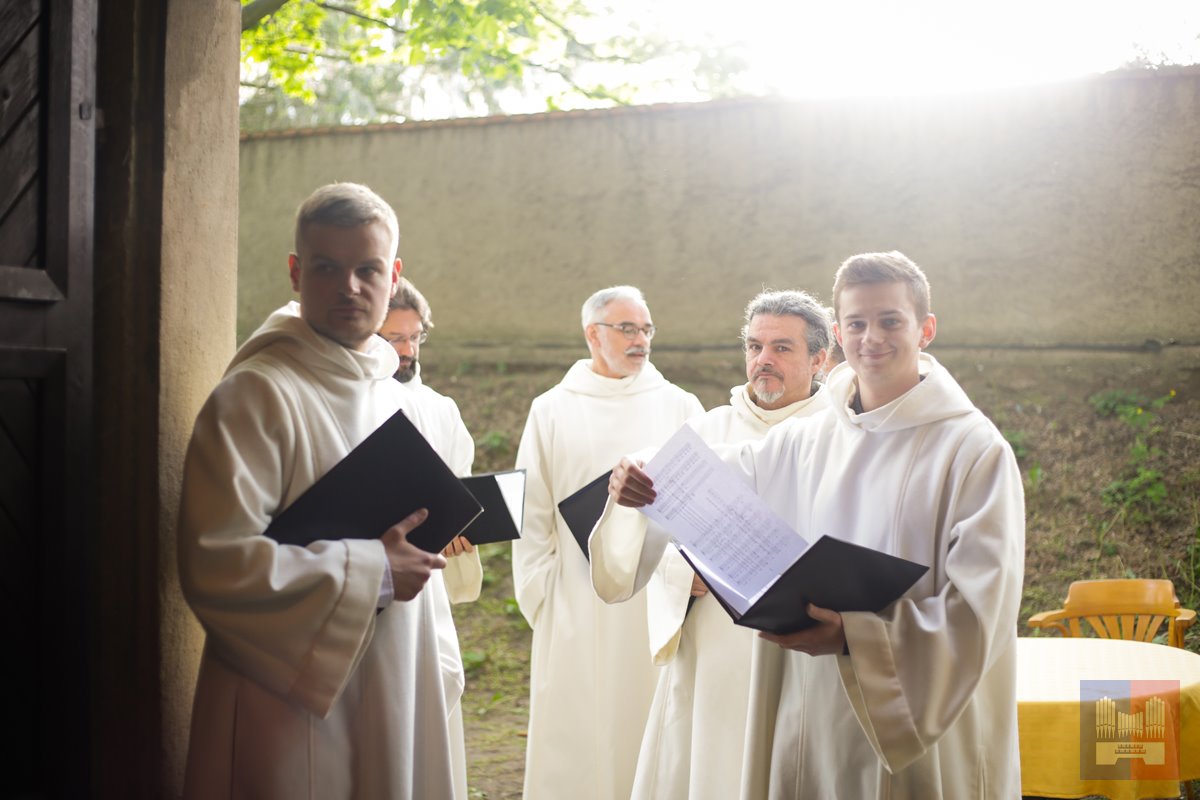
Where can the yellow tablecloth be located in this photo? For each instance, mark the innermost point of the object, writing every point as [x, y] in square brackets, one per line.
[1049, 670]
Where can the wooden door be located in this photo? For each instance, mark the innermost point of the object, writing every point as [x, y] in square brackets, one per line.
[46, 207]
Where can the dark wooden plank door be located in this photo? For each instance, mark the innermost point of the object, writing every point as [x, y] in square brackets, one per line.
[46, 206]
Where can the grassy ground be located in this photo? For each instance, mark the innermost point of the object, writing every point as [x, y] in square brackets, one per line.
[1110, 491]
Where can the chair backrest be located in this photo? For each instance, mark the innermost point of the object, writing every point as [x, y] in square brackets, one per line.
[1122, 609]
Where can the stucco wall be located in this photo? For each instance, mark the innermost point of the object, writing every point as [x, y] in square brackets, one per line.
[1065, 214]
[199, 213]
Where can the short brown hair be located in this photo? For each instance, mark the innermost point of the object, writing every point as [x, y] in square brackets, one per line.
[407, 296]
[893, 267]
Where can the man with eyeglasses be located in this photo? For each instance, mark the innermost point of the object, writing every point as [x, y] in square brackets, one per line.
[692, 746]
[590, 681]
[406, 328]
[436, 416]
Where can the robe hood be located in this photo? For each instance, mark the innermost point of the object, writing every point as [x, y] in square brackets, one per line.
[937, 397]
[582, 380]
[739, 398]
[286, 332]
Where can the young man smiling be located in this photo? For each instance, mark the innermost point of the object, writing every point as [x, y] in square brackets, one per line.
[917, 701]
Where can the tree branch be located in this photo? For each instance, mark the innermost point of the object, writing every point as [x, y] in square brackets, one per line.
[591, 94]
[308, 51]
[572, 38]
[352, 12]
[258, 10]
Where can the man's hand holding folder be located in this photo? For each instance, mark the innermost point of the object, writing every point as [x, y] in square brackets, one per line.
[630, 486]
[762, 572]
[411, 566]
[826, 638]
[378, 487]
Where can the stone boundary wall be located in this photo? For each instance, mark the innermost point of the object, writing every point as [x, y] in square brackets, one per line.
[1065, 215]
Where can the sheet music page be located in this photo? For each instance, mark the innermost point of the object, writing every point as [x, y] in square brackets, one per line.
[708, 508]
[727, 593]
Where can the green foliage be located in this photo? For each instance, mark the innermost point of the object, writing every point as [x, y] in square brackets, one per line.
[511, 606]
[1187, 584]
[473, 660]
[1143, 495]
[1016, 440]
[307, 63]
[1129, 406]
[1115, 402]
[1140, 494]
[495, 444]
[1033, 478]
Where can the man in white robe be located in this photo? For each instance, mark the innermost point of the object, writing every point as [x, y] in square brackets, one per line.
[918, 701]
[329, 670]
[692, 747]
[406, 327]
[590, 681]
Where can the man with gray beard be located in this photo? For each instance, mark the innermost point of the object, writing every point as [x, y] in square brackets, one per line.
[590, 681]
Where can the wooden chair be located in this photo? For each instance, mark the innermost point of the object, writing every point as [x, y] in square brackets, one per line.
[1120, 609]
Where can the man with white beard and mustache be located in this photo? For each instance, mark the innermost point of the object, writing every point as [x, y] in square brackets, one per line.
[692, 747]
[590, 681]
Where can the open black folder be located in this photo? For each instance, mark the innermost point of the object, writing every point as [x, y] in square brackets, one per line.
[582, 510]
[391, 474]
[503, 514]
[832, 574]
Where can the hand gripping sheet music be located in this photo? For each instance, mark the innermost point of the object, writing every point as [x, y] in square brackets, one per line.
[724, 528]
[758, 568]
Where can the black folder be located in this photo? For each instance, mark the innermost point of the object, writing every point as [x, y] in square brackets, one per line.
[831, 573]
[582, 510]
[498, 522]
[391, 474]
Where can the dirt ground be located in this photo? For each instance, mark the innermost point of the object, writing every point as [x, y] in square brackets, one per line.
[1111, 490]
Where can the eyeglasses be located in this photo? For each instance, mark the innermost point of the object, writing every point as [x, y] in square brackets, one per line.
[630, 330]
[415, 339]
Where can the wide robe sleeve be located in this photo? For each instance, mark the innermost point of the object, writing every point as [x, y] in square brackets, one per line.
[913, 670]
[463, 573]
[621, 556]
[535, 553]
[294, 619]
[624, 547]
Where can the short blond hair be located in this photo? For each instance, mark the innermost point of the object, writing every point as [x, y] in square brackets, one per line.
[892, 267]
[346, 205]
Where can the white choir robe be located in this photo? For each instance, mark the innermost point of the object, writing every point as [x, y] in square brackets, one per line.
[437, 417]
[696, 732]
[924, 706]
[590, 681]
[304, 691]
